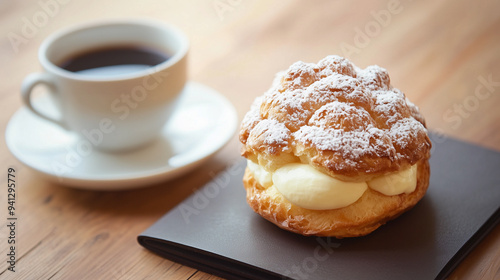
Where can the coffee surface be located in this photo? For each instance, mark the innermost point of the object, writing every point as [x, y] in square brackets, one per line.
[113, 60]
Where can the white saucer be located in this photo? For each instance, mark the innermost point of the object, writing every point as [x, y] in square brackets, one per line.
[203, 123]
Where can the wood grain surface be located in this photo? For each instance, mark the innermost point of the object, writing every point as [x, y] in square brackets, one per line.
[444, 55]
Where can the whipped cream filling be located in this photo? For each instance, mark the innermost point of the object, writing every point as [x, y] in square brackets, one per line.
[260, 174]
[307, 187]
[303, 185]
[404, 181]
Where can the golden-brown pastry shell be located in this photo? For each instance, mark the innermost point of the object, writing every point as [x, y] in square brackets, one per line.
[368, 213]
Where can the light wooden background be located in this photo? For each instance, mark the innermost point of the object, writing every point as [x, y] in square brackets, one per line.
[436, 52]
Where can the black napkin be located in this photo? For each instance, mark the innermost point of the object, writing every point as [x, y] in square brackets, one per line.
[214, 230]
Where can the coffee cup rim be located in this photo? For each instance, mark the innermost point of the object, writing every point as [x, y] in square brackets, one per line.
[172, 60]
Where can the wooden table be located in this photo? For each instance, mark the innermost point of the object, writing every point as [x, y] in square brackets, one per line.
[438, 52]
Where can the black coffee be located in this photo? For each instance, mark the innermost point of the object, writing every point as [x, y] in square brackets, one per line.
[113, 60]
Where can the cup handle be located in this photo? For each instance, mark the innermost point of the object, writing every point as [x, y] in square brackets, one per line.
[27, 88]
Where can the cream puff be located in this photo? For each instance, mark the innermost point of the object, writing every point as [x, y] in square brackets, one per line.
[334, 150]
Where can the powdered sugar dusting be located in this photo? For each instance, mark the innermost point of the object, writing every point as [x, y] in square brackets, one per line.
[253, 116]
[352, 144]
[271, 135]
[390, 105]
[404, 130]
[337, 107]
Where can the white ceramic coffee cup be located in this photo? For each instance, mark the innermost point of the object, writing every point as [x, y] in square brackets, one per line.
[112, 112]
